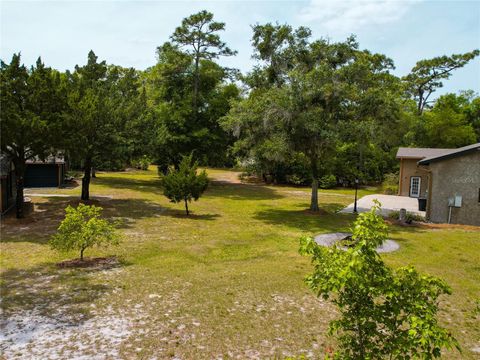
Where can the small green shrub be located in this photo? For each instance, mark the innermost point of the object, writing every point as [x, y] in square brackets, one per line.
[185, 184]
[327, 182]
[390, 190]
[83, 228]
[296, 179]
[141, 163]
[385, 313]
[409, 217]
[390, 179]
[74, 174]
[390, 184]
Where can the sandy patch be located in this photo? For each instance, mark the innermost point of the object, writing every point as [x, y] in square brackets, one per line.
[29, 335]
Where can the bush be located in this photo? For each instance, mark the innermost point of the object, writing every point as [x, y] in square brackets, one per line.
[327, 182]
[83, 228]
[384, 312]
[409, 217]
[185, 184]
[142, 163]
[390, 190]
[390, 184]
[296, 179]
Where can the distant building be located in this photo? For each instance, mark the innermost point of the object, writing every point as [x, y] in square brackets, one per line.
[47, 173]
[38, 173]
[414, 179]
[447, 179]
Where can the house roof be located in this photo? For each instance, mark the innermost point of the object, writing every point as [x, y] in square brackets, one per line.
[421, 153]
[58, 159]
[457, 152]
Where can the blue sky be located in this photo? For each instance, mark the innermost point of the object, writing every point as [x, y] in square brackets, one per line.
[127, 32]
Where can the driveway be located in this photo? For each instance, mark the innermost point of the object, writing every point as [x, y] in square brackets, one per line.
[389, 203]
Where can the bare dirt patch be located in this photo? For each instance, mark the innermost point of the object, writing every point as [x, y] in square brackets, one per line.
[99, 262]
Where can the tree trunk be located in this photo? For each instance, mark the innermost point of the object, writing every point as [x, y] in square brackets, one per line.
[195, 87]
[94, 173]
[81, 253]
[314, 197]
[19, 183]
[186, 206]
[420, 102]
[86, 179]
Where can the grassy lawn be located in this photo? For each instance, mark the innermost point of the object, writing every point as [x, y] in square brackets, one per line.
[226, 282]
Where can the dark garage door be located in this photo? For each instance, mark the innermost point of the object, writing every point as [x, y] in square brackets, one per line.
[41, 175]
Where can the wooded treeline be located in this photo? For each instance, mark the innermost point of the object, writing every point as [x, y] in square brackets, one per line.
[309, 111]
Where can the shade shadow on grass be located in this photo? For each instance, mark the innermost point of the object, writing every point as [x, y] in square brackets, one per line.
[242, 192]
[38, 226]
[303, 219]
[144, 185]
[396, 230]
[179, 214]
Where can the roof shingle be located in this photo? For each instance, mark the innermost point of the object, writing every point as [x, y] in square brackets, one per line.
[451, 154]
[421, 153]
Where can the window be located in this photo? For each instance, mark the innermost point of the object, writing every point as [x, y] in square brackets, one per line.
[415, 182]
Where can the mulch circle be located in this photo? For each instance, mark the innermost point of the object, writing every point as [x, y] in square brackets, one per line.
[103, 262]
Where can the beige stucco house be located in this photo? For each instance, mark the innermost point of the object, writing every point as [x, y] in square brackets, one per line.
[449, 180]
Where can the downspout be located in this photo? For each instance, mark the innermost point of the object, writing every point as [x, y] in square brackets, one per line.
[401, 178]
[429, 191]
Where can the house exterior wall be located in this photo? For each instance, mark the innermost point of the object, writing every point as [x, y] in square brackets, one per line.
[409, 168]
[455, 176]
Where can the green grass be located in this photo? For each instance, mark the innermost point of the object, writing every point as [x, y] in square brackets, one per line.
[226, 281]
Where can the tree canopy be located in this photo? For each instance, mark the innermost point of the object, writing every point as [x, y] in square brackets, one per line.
[304, 93]
[32, 105]
[427, 75]
[189, 92]
[309, 109]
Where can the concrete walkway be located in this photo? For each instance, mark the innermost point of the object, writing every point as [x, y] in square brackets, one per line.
[389, 203]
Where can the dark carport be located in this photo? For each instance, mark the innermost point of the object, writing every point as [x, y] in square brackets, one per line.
[48, 173]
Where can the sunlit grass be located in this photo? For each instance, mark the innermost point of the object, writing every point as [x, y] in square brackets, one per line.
[230, 274]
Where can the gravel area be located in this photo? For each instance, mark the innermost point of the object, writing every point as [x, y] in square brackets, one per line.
[332, 238]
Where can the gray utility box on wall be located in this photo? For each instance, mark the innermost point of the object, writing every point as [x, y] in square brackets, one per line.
[455, 201]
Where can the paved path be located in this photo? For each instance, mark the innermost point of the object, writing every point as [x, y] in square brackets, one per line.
[389, 203]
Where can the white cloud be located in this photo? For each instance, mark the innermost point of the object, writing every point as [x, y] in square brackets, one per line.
[350, 15]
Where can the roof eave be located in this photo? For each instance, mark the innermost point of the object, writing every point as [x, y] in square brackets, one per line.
[447, 156]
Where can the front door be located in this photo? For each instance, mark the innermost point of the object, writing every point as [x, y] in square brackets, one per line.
[415, 182]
